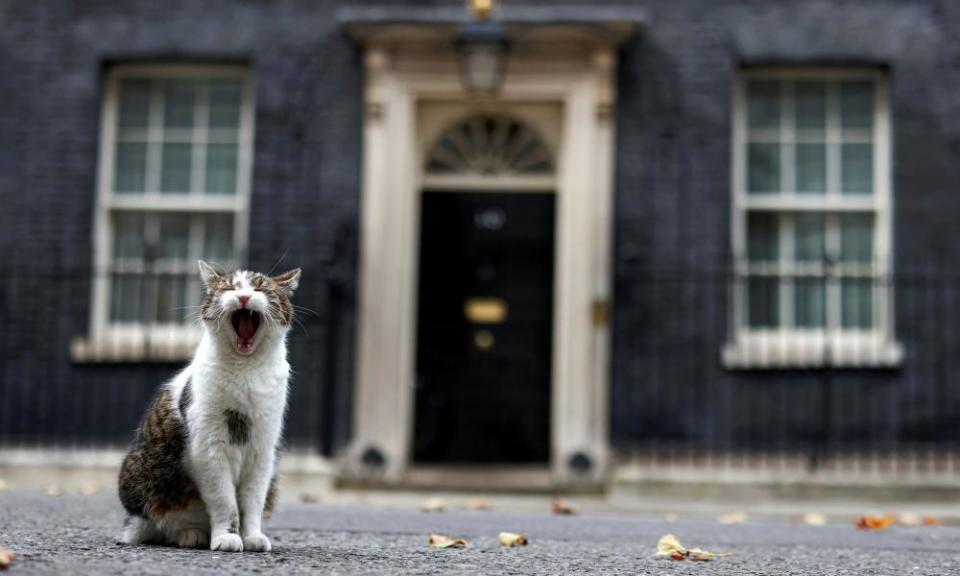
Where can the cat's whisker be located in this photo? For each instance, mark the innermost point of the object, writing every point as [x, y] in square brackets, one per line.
[269, 319]
[297, 308]
[275, 316]
[221, 314]
[277, 263]
[302, 327]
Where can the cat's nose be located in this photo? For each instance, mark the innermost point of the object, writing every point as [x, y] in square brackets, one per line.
[243, 300]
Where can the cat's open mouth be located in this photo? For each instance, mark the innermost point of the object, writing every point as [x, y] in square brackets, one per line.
[245, 323]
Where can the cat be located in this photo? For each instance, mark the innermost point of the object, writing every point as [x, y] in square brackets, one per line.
[202, 469]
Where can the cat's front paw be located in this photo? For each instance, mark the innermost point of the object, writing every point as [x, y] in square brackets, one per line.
[193, 538]
[256, 543]
[227, 543]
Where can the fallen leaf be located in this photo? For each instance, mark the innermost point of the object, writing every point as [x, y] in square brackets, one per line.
[3, 485]
[53, 490]
[434, 505]
[6, 558]
[441, 541]
[699, 555]
[733, 518]
[669, 546]
[814, 519]
[909, 519]
[509, 539]
[88, 489]
[308, 499]
[478, 504]
[671, 517]
[875, 522]
[562, 508]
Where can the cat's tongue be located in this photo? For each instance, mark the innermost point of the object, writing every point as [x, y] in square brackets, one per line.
[245, 328]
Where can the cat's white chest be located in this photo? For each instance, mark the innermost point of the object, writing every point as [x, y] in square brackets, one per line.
[259, 388]
[239, 410]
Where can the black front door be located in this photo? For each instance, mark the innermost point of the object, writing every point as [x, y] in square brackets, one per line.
[484, 328]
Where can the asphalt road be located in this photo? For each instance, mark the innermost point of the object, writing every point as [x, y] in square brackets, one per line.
[77, 535]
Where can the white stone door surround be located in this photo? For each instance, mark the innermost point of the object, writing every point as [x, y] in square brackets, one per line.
[572, 73]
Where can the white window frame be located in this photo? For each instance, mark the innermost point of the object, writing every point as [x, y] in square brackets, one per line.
[791, 347]
[109, 341]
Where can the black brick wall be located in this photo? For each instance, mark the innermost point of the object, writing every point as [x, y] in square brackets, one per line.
[53, 60]
[672, 206]
[673, 212]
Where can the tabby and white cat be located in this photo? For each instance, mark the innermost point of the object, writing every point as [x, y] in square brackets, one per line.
[202, 468]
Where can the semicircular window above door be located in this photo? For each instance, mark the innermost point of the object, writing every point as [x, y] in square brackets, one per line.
[488, 145]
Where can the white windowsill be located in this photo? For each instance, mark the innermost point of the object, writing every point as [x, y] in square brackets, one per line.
[772, 350]
[172, 343]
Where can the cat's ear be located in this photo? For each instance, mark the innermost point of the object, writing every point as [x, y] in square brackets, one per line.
[208, 274]
[289, 280]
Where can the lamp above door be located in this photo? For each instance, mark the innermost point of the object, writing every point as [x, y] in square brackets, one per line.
[482, 47]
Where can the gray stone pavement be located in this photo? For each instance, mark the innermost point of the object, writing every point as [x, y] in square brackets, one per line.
[76, 534]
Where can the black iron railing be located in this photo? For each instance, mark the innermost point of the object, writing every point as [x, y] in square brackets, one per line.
[75, 372]
[694, 379]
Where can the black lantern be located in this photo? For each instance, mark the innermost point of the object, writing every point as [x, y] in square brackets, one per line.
[482, 48]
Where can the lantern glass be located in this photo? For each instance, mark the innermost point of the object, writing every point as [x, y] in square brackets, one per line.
[482, 67]
[482, 50]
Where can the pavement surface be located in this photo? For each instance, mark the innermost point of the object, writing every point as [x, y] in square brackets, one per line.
[76, 534]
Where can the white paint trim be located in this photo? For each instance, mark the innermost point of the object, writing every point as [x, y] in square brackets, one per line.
[790, 347]
[102, 341]
[437, 183]
[397, 80]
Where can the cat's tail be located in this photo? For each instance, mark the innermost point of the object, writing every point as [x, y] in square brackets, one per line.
[138, 530]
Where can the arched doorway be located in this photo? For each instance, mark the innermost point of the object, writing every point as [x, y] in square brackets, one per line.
[485, 294]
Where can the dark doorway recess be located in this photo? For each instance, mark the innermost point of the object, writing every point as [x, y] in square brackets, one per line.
[484, 328]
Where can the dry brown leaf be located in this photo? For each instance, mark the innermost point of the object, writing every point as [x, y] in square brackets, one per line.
[932, 521]
[441, 541]
[434, 505]
[478, 504]
[669, 546]
[562, 508]
[509, 539]
[733, 518]
[814, 519]
[875, 522]
[3, 485]
[6, 558]
[308, 499]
